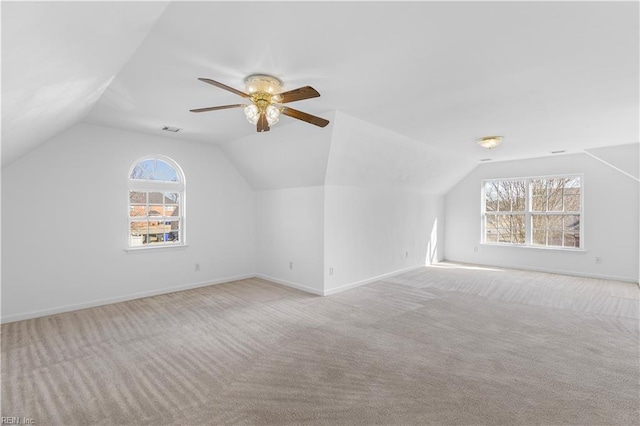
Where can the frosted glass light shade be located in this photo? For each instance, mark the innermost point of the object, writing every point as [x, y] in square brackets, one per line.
[273, 115]
[489, 141]
[252, 113]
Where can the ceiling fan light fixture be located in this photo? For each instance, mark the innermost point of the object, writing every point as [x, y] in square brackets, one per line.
[252, 113]
[273, 114]
[490, 141]
[266, 96]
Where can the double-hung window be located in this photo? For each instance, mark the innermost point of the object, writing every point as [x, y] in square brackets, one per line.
[537, 211]
[156, 203]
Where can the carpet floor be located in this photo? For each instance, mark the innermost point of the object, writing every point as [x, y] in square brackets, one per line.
[446, 344]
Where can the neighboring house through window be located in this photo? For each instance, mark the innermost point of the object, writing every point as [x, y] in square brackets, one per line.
[156, 203]
[536, 211]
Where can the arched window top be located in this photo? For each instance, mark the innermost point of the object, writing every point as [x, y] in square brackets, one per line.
[157, 170]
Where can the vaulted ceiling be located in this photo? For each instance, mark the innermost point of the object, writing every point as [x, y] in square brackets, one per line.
[408, 79]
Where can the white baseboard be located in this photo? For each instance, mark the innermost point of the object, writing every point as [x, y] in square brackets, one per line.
[369, 280]
[110, 300]
[291, 284]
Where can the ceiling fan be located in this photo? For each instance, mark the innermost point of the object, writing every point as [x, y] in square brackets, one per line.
[264, 93]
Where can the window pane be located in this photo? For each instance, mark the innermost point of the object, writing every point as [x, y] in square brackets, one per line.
[504, 221]
[539, 221]
[554, 238]
[572, 222]
[172, 237]
[135, 211]
[504, 235]
[554, 194]
[165, 172]
[154, 169]
[539, 204]
[518, 223]
[138, 233]
[519, 198]
[539, 237]
[155, 210]
[491, 196]
[491, 228]
[156, 197]
[142, 170]
[572, 183]
[137, 197]
[504, 197]
[555, 222]
[171, 198]
[171, 211]
[538, 188]
[572, 203]
[554, 202]
[491, 221]
[571, 239]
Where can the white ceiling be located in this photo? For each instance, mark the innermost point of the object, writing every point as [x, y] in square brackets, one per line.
[547, 75]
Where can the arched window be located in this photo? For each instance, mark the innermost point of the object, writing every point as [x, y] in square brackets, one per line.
[156, 203]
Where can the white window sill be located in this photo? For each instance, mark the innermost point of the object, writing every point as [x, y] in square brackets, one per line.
[152, 248]
[522, 246]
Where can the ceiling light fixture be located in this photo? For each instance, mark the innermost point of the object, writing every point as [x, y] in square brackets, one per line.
[264, 91]
[490, 141]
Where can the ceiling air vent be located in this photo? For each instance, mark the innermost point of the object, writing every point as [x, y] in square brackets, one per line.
[171, 129]
[558, 152]
[485, 159]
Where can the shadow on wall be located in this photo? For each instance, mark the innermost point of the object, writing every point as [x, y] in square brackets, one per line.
[432, 245]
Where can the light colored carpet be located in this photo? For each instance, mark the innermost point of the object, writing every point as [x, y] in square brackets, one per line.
[448, 344]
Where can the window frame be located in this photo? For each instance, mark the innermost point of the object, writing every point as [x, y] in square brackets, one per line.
[149, 186]
[528, 242]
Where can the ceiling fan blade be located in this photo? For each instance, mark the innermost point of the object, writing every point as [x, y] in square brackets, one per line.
[299, 94]
[217, 108]
[294, 113]
[224, 86]
[263, 124]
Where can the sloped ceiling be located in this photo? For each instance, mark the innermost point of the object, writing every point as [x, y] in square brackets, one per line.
[625, 158]
[370, 156]
[58, 59]
[547, 75]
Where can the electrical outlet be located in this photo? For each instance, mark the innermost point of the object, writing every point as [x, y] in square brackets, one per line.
[475, 248]
[331, 271]
[290, 265]
[406, 254]
[598, 260]
[196, 267]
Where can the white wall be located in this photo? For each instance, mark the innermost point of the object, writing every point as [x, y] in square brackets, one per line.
[370, 233]
[64, 223]
[610, 220]
[289, 229]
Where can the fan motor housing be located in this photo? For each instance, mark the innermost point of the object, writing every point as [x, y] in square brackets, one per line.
[263, 83]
